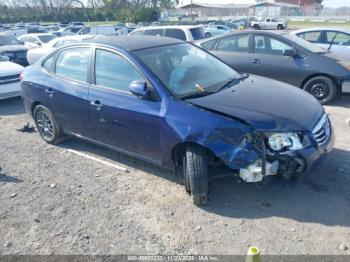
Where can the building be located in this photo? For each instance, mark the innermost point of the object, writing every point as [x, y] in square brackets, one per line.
[199, 9]
[308, 7]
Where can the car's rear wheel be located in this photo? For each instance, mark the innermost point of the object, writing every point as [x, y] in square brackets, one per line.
[280, 27]
[322, 88]
[47, 126]
[256, 27]
[207, 34]
[195, 172]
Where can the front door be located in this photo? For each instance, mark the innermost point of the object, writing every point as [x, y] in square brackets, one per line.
[120, 119]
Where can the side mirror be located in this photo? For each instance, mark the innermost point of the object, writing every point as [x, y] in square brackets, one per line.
[139, 89]
[290, 52]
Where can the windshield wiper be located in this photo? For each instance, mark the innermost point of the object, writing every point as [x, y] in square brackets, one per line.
[196, 94]
[230, 82]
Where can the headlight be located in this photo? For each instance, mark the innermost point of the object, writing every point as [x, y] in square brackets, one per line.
[278, 141]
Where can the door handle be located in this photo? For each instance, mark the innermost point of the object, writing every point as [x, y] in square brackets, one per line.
[96, 103]
[49, 91]
[255, 61]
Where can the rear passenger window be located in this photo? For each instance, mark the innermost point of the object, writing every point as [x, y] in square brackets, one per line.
[235, 43]
[208, 45]
[113, 71]
[48, 64]
[269, 45]
[157, 32]
[73, 63]
[313, 37]
[175, 33]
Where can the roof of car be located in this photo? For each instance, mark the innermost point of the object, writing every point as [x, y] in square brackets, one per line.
[344, 30]
[168, 26]
[133, 42]
[36, 34]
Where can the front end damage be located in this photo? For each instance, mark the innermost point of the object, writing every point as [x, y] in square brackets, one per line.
[259, 154]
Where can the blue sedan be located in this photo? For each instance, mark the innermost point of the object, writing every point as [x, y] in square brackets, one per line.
[175, 105]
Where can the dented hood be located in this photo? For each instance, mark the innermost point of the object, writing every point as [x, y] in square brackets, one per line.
[265, 104]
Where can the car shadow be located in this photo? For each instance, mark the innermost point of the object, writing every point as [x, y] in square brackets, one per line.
[8, 179]
[11, 106]
[342, 101]
[321, 196]
[108, 154]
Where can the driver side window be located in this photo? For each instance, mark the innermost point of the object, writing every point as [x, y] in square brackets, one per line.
[269, 45]
[114, 72]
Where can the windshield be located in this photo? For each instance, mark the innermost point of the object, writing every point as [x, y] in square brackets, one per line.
[46, 38]
[8, 40]
[185, 69]
[305, 44]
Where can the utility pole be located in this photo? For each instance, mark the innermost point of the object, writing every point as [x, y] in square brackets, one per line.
[191, 11]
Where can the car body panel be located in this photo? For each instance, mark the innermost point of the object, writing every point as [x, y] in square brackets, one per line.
[9, 79]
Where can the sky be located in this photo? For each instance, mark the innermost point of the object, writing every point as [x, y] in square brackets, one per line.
[327, 3]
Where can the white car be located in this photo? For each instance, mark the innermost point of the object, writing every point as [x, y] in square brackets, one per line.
[9, 78]
[324, 37]
[35, 54]
[182, 32]
[269, 23]
[36, 39]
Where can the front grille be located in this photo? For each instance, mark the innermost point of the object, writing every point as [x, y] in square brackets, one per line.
[4, 80]
[322, 130]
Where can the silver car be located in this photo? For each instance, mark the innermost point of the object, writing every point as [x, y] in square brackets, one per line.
[337, 40]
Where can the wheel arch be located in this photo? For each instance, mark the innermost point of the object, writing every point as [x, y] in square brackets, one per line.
[338, 85]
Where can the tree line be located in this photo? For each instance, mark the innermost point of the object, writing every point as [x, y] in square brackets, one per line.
[12, 11]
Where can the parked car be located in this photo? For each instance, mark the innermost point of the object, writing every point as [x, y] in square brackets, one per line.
[269, 23]
[213, 30]
[37, 39]
[9, 78]
[69, 30]
[35, 54]
[181, 32]
[98, 30]
[16, 31]
[336, 40]
[173, 104]
[76, 24]
[284, 57]
[13, 49]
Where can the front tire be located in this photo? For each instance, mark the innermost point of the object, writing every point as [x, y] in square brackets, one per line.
[47, 126]
[322, 88]
[256, 27]
[280, 27]
[195, 172]
[207, 34]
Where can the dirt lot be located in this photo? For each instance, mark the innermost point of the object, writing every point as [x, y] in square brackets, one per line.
[57, 202]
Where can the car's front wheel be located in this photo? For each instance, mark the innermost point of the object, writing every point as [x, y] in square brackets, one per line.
[256, 27]
[47, 126]
[322, 88]
[280, 27]
[195, 172]
[207, 34]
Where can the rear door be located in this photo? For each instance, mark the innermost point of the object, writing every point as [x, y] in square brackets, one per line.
[66, 90]
[267, 60]
[341, 43]
[119, 118]
[234, 50]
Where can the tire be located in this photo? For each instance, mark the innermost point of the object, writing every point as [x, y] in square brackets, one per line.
[256, 27]
[207, 34]
[47, 126]
[322, 88]
[195, 172]
[280, 27]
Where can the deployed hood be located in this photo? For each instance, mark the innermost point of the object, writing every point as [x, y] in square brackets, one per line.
[8, 68]
[265, 104]
[11, 48]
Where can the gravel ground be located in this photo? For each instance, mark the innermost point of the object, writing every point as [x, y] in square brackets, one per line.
[57, 202]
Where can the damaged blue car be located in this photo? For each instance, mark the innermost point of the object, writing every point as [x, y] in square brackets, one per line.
[175, 105]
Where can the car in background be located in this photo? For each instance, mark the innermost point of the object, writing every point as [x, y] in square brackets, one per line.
[16, 31]
[213, 30]
[37, 39]
[336, 40]
[69, 30]
[181, 32]
[35, 54]
[149, 96]
[73, 24]
[13, 49]
[284, 57]
[269, 23]
[98, 30]
[9, 78]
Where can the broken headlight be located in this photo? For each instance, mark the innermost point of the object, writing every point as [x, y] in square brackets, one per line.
[279, 141]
